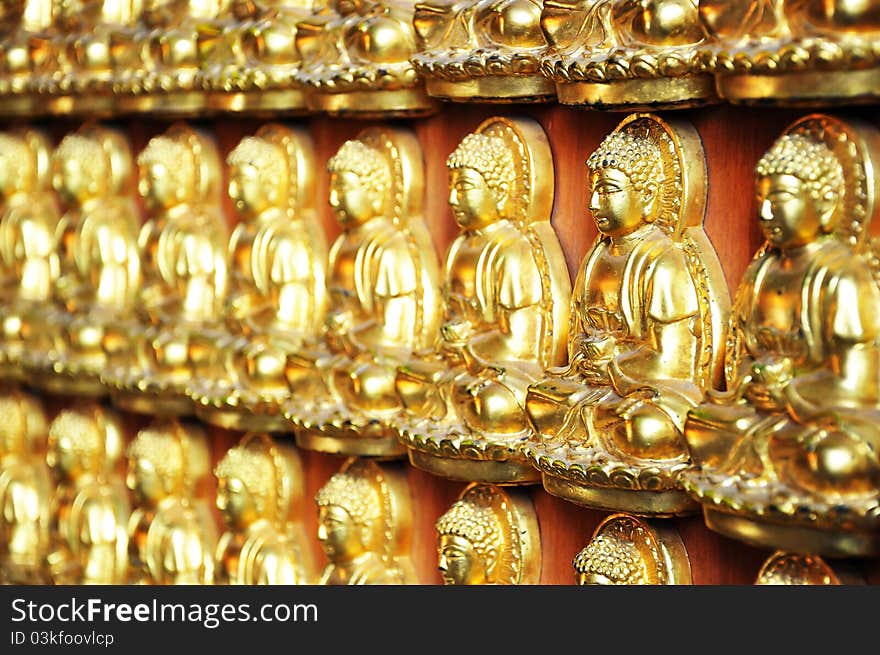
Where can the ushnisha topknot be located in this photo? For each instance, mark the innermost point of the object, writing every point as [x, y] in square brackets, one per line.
[489, 156]
[638, 158]
[809, 160]
[478, 525]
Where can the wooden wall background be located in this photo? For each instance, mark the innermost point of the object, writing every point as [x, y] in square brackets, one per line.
[733, 137]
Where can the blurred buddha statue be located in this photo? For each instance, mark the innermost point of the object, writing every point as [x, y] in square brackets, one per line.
[793, 52]
[648, 313]
[626, 54]
[489, 536]
[507, 294]
[184, 268]
[260, 493]
[482, 50]
[171, 532]
[25, 489]
[276, 298]
[20, 20]
[90, 510]
[383, 299]
[784, 568]
[29, 262]
[365, 525]
[626, 550]
[787, 456]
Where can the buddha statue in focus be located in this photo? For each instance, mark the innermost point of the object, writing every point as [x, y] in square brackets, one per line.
[482, 51]
[793, 52]
[489, 536]
[626, 550]
[784, 568]
[648, 312]
[90, 508]
[507, 294]
[384, 301]
[276, 299]
[25, 489]
[627, 54]
[260, 495]
[184, 269]
[171, 532]
[786, 457]
[19, 21]
[365, 525]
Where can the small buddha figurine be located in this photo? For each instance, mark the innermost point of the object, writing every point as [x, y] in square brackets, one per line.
[99, 262]
[365, 524]
[260, 495]
[626, 54]
[507, 293]
[482, 51]
[25, 489]
[625, 550]
[184, 268]
[793, 52]
[171, 532]
[648, 310]
[784, 568]
[786, 457]
[90, 510]
[489, 536]
[383, 299]
[277, 291]
[19, 21]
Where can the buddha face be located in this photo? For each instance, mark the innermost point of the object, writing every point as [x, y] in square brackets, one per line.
[473, 203]
[617, 206]
[76, 181]
[159, 186]
[144, 481]
[459, 563]
[247, 191]
[340, 536]
[236, 503]
[351, 200]
[63, 459]
[789, 216]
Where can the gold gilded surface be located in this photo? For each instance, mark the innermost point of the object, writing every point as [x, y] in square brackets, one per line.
[19, 21]
[648, 314]
[626, 550]
[786, 457]
[365, 524]
[171, 532]
[490, 535]
[260, 493]
[783, 568]
[383, 294]
[507, 294]
[482, 51]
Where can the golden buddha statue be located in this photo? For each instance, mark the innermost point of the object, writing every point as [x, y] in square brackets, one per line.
[277, 291]
[482, 51]
[489, 536]
[648, 312]
[625, 550]
[626, 54]
[171, 532]
[787, 456]
[793, 52]
[19, 21]
[365, 525]
[384, 302]
[260, 493]
[25, 489]
[90, 510]
[507, 293]
[356, 60]
[783, 568]
[184, 268]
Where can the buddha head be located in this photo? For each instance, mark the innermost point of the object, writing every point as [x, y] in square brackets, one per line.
[610, 561]
[167, 173]
[626, 175]
[24, 427]
[470, 542]
[18, 166]
[481, 176]
[81, 170]
[360, 182]
[350, 513]
[83, 442]
[258, 176]
[799, 187]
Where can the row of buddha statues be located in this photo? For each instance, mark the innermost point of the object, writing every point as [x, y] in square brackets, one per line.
[402, 58]
[638, 388]
[83, 504]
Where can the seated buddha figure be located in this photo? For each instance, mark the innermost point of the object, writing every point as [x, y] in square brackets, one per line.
[364, 525]
[507, 294]
[626, 54]
[489, 536]
[383, 299]
[19, 21]
[184, 268]
[260, 495]
[786, 457]
[171, 532]
[482, 50]
[276, 299]
[90, 508]
[647, 313]
[25, 489]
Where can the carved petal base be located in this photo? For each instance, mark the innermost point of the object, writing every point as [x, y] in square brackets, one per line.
[802, 89]
[494, 88]
[639, 94]
[233, 407]
[375, 104]
[333, 428]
